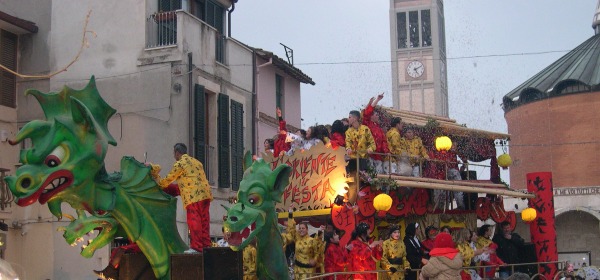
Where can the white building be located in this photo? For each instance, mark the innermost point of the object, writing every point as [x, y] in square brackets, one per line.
[173, 73]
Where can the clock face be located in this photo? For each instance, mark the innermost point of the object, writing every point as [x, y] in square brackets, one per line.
[415, 69]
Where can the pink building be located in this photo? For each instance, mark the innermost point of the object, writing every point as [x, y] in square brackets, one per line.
[277, 85]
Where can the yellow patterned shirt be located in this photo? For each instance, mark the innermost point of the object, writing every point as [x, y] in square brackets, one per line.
[249, 260]
[466, 252]
[190, 177]
[396, 143]
[415, 149]
[394, 249]
[483, 242]
[360, 141]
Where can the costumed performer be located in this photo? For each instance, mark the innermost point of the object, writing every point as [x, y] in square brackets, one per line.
[249, 262]
[281, 144]
[195, 194]
[394, 255]
[371, 120]
[336, 257]
[359, 142]
[363, 256]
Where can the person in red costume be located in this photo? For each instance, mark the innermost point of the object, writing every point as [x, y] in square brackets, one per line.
[336, 257]
[281, 146]
[430, 233]
[337, 138]
[445, 262]
[362, 254]
[371, 120]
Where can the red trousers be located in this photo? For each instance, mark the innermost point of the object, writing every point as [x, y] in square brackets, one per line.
[198, 220]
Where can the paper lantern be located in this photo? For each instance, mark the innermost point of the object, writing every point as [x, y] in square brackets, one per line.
[382, 202]
[504, 161]
[528, 215]
[443, 143]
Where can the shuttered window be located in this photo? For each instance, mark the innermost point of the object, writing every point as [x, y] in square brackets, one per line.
[200, 117]
[237, 143]
[169, 5]
[223, 140]
[8, 58]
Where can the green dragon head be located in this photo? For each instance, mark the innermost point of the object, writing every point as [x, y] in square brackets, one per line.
[74, 137]
[260, 189]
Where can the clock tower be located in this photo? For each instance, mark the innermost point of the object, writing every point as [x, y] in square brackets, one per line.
[418, 50]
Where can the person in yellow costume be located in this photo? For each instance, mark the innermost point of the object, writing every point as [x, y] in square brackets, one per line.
[195, 194]
[249, 262]
[415, 150]
[394, 255]
[306, 251]
[359, 141]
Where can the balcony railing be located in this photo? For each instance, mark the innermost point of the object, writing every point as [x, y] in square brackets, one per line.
[161, 29]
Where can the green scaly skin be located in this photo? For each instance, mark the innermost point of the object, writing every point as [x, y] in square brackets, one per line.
[66, 165]
[260, 189]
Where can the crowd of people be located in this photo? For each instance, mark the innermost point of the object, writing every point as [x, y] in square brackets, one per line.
[445, 253]
[387, 148]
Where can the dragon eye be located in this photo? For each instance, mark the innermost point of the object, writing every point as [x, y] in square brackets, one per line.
[254, 199]
[55, 158]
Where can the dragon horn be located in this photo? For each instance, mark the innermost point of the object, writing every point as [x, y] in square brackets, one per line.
[226, 208]
[247, 160]
[69, 217]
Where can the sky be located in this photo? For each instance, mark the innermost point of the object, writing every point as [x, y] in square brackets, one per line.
[344, 46]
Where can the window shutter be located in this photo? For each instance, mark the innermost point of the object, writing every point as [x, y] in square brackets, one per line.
[237, 144]
[223, 139]
[200, 117]
[8, 58]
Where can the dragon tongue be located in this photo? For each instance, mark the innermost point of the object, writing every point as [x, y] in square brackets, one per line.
[235, 239]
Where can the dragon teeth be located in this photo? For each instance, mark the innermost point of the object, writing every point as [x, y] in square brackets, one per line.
[80, 239]
[73, 244]
[90, 241]
[62, 180]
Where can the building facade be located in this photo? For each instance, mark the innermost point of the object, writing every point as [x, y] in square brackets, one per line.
[171, 70]
[418, 51]
[554, 126]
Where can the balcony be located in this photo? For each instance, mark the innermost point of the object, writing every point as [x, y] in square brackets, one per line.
[171, 35]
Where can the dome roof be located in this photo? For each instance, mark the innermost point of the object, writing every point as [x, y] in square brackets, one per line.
[576, 72]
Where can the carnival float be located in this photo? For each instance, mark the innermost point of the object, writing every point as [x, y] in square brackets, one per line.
[66, 165]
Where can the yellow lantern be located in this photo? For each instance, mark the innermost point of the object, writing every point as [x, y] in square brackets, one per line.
[443, 143]
[528, 215]
[504, 161]
[382, 202]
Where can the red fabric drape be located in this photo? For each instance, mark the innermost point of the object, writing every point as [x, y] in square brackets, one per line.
[542, 229]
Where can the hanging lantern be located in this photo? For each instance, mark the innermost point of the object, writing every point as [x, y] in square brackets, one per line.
[528, 215]
[504, 161]
[443, 143]
[382, 203]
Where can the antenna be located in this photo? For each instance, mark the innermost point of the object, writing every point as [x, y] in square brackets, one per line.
[289, 53]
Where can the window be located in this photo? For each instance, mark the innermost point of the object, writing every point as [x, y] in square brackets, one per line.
[279, 92]
[8, 58]
[169, 5]
[401, 26]
[425, 28]
[237, 144]
[209, 12]
[413, 31]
